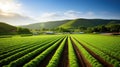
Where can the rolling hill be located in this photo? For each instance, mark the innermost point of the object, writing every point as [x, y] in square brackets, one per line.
[68, 24]
[47, 25]
[6, 28]
[71, 23]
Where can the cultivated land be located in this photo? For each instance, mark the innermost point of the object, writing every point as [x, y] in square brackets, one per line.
[75, 50]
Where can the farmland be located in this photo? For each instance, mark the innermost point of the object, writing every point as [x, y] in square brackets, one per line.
[69, 50]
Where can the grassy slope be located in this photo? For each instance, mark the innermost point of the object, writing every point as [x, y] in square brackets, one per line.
[68, 24]
[91, 22]
[71, 23]
[6, 28]
[48, 25]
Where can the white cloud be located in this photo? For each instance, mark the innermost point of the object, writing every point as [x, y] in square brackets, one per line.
[49, 16]
[53, 16]
[109, 15]
[9, 6]
[15, 19]
[11, 12]
[70, 14]
[89, 13]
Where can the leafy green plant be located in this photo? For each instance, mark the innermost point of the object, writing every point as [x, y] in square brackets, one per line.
[71, 53]
[88, 56]
[39, 58]
[56, 57]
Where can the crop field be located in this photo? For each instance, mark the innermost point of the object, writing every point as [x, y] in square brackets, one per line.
[70, 50]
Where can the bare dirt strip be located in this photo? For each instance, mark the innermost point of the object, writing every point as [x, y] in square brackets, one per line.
[46, 60]
[64, 56]
[81, 59]
[102, 61]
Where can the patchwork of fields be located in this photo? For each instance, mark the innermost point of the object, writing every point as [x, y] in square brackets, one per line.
[79, 50]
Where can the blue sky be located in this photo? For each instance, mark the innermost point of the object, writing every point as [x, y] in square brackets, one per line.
[51, 10]
[41, 6]
[81, 5]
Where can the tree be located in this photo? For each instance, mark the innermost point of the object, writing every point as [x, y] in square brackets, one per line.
[113, 27]
[102, 28]
[23, 31]
[105, 28]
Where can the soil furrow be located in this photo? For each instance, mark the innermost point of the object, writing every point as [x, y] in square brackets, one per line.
[103, 62]
[81, 60]
[46, 60]
[64, 56]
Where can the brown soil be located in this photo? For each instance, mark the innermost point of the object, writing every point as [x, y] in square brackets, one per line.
[103, 62]
[81, 59]
[64, 56]
[46, 60]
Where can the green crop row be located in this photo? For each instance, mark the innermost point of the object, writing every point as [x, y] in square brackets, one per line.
[104, 48]
[39, 58]
[56, 57]
[29, 45]
[20, 54]
[110, 44]
[71, 54]
[87, 56]
[29, 56]
[17, 43]
[112, 54]
[12, 48]
[11, 44]
[106, 57]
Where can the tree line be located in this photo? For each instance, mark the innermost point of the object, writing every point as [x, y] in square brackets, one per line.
[108, 28]
[15, 31]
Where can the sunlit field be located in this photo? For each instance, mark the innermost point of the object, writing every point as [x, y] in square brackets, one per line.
[73, 50]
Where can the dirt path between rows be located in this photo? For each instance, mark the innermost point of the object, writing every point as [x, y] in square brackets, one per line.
[64, 56]
[81, 59]
[46, 60]
[103, 62]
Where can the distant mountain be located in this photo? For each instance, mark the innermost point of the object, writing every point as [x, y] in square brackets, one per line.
[71, 23]
[7, 29]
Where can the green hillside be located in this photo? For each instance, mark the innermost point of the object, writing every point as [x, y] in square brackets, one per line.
[87, 23]
[7, 29]
[68, 24]
[71, 23]
[93, 22]
[46, 25]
